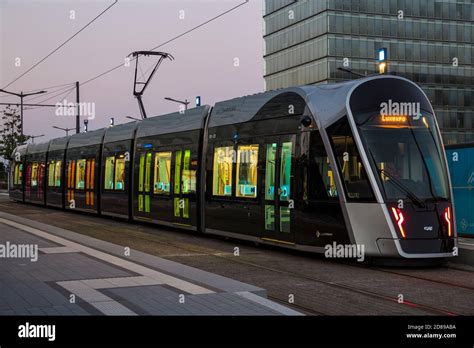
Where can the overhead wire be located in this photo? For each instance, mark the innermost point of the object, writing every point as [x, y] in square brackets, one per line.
[131, 60]
[170, 40]
[49, 92]
[56, 95]
[61, 45]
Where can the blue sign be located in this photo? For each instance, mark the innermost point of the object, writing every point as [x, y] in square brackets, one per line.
[461, 168]
[383, 55]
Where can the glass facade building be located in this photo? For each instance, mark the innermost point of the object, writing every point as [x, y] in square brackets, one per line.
[429, 41]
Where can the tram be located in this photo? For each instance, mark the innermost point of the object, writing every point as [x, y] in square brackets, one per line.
[353, 163]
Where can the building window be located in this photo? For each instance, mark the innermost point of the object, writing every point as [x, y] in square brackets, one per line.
[246, 176]
[34, 175]
[162, 183]
[109, 173]
[80, 174]
[222, 173]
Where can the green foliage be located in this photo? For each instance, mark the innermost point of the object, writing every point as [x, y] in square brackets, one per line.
[10, 132]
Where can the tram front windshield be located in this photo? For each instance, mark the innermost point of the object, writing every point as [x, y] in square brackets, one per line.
[406, 153]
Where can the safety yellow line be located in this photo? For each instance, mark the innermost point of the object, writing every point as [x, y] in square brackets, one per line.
[278, 241]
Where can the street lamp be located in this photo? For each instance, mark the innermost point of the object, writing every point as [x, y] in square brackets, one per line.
[133, 118]
[33, 137]
[112, 121]
[22, 95]
[64, 129]
[86, 126]
[185, 103]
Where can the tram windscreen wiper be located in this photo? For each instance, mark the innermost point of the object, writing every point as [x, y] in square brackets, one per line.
[402, 187]
[414, 198]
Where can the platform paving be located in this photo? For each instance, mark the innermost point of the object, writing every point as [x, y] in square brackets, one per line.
[79, 275]
[466, 252]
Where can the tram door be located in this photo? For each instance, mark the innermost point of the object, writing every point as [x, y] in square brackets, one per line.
[184, 187]
[279, 189]
[144, 183]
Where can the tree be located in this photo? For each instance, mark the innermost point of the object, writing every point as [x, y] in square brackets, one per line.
[10, 133]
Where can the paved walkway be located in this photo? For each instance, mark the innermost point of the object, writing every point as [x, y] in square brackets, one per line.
[45, 270]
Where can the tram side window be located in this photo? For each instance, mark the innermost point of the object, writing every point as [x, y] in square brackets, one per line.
[80, 174]
[34, 175]
[222, 172]
[188, 175]
[51, 167]
[18, 175]
[162, 184]
[321, 176]
[109, 173]
[15, 174]
[351, 168]
[246, 176]
[57, 174]
[119, 182]
[114, 178]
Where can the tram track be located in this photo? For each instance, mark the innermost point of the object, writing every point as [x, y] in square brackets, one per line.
[425, 308]
[296, 306]
[426, 279]
[378, 269]
[205, 251]
[428, 309]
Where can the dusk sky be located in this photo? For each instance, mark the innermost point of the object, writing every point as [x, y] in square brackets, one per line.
[203, 65]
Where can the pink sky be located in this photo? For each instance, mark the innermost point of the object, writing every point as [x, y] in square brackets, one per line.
[204, 59]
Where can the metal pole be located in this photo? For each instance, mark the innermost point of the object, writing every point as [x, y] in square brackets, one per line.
[78, 116]
[21, 114]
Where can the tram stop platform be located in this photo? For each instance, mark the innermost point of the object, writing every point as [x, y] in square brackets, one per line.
[73, 274]
[466, 252]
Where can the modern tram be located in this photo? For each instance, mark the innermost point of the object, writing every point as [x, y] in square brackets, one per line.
[353, 163]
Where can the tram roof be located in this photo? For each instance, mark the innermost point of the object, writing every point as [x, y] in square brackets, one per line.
[120, 132]
[58, 143]
[327, 102]
[176, 122]
[38, 148]
[86, 139]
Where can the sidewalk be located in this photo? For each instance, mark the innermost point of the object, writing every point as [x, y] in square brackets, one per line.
[79, 275]
[466, 251]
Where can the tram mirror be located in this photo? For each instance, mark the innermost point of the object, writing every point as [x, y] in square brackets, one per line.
[306, 121]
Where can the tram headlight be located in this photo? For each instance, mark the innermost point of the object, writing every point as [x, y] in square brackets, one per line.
[397, 213]
[448, 218]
